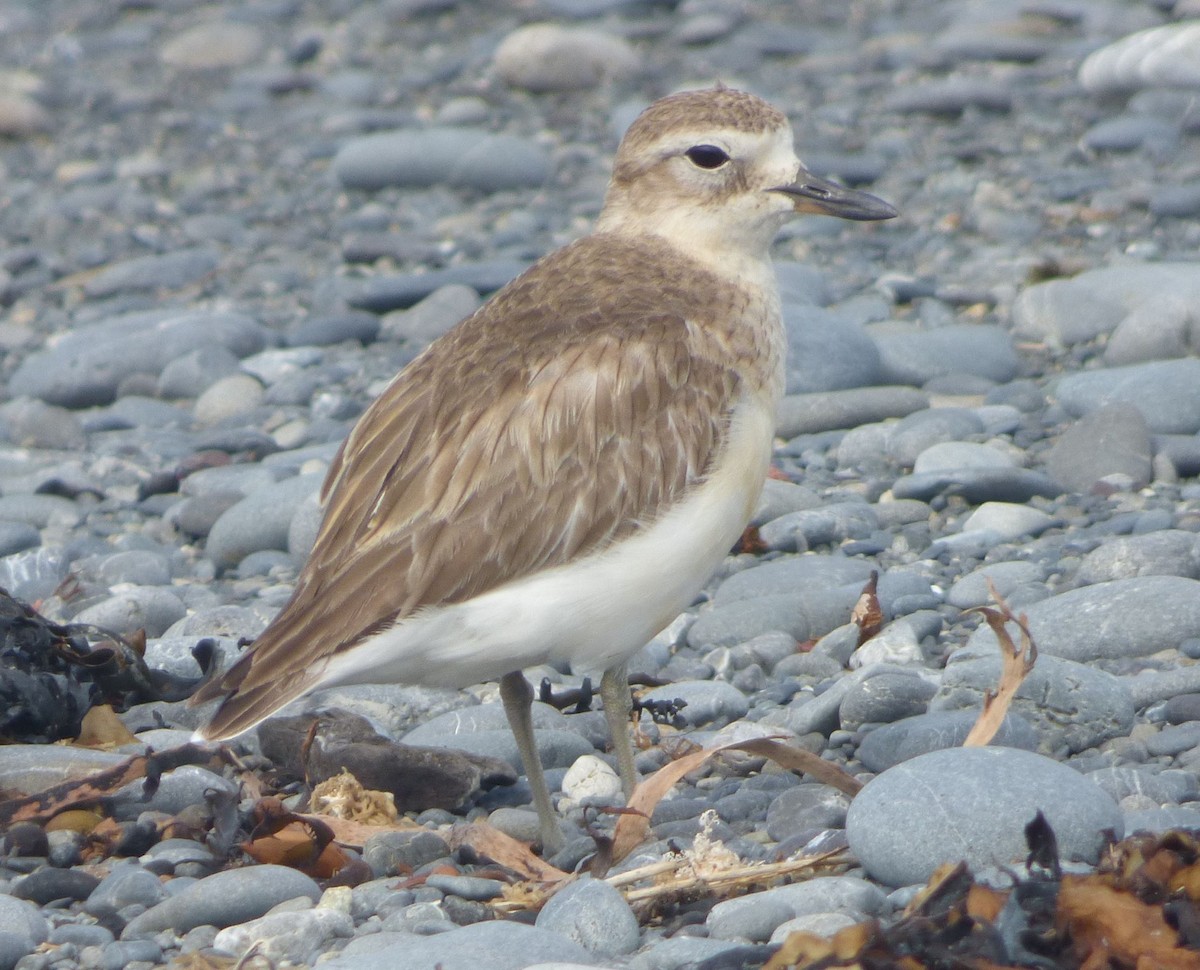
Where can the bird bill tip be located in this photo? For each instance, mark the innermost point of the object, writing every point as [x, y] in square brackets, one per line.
[812, 194]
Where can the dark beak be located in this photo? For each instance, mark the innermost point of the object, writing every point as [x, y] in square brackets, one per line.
[810, 193]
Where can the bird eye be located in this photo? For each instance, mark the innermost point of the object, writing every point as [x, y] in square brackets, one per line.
[707, 156]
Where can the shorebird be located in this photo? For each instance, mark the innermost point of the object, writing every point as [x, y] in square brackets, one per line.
[555, 479]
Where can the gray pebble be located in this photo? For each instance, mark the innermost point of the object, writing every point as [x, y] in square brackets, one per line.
[887, 694]
[224, 899]
[1176, 201]
[1070, 705]
[259, 521]
[461, 157]
[1126, 618]
[711, 703]
[830, 410]
[295, 937]
[593, 914]
[497, 944]
[1159, 56]
[87, 366]
[545, 57]
[913, 736]
[916, 356]
[829, 351]
[17, 537]
[1112, 440]
[972, 590]
[1170, 552]
[23, 921]
[166, 271]
[148, 608]
[972, 805]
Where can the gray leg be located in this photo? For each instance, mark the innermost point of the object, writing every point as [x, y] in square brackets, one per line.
[614, 692]
[517, 696]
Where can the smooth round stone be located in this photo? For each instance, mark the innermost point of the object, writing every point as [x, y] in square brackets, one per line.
[127, 884]
[221, 45]
[149, 608]
[896, 643]
[1096, 302]
[1112, 440]
[916, 356]
[972, 590]
[913, 434]
[1161, 820]
[87, 366]
[138, 566]
[978, 485]
[844, 894]
[157, 272]
[593, 914]
[1176, 201]
[1125, 618]
[1130, 132]
[680, 951]
[17, 537]
[295, 937]
[1008, 520]
[322, 331]
[189, 375]
[81, 934]
[1156, 57]
[917, 735]
[224, 899]
[33, 424]
[119, 953]
[546, 57]
[806, 807]
[388, 853]
[259, 521]
[829, 351]
[712, 703]
[22, 116]
[779, 498]
[229, 397]
[1070, 705]
[1170, 552]
[887, 694]
[972, 805]
[1167, 393]
[951, 455]
[812, 572]
[831, 410]
[1159, 327]
[1182, 708]
[736, 622]
[829, 524]
[950, 98]
[39, 511]
[48, 884]
[459, 157]
[178, 789]
[382, 293]
[592, 781]
[22, 919]
[496, 944]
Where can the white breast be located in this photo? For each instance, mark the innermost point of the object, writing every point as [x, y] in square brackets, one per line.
[593, 613]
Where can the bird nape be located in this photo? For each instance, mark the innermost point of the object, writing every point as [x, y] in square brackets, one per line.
[556, 478]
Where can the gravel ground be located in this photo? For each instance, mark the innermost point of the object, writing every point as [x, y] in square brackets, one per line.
[226, 226]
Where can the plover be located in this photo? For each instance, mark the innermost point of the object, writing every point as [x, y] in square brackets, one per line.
[555, 479]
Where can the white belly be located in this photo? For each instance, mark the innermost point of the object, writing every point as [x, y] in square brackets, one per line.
[594, 613]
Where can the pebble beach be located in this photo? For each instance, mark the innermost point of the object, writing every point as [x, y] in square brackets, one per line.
[225, 227]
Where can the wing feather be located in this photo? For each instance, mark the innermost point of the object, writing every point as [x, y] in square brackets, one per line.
[477, 467]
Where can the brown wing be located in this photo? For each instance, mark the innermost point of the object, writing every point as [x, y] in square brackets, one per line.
[517, 442]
